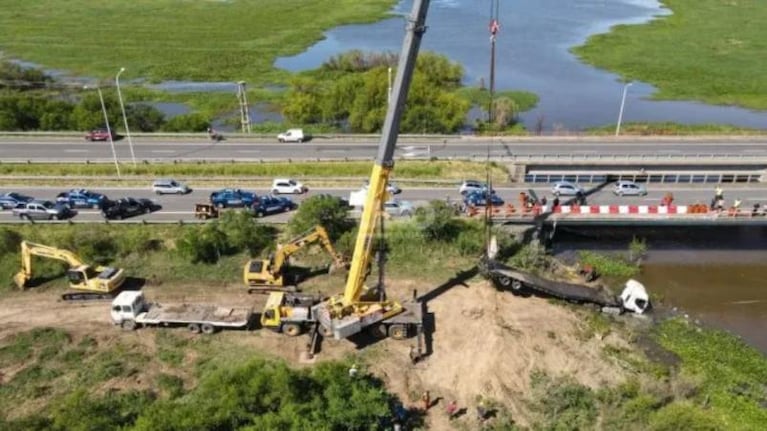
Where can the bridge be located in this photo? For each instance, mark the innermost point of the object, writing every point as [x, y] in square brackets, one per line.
[624, 215]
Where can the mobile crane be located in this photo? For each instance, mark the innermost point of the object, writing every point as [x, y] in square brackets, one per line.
[358, 307]
[89, 282]
[270, 274]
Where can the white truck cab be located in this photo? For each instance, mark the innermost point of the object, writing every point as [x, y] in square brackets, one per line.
[292, 135]
[127, 307]
[634, 297]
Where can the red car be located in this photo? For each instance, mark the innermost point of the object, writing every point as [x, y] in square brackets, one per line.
[98, 135]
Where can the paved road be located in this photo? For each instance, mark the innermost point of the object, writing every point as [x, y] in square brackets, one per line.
[182, 207]
[154, 149]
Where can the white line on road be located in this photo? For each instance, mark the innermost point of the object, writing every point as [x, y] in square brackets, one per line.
[75, 151]
[164, 151]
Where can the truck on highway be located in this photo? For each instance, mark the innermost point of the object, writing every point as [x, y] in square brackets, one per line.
[131, 310]
[43, 210]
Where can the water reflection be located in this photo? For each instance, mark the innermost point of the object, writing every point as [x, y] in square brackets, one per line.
[533, 54]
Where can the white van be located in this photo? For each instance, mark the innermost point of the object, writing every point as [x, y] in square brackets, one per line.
[292, 135]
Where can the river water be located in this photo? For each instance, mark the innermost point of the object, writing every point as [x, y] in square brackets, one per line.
[717, 275]
[533, 54]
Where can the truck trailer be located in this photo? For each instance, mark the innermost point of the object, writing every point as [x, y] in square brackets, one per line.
[131, 310]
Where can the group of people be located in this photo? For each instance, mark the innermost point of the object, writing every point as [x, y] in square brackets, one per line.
[451, 409]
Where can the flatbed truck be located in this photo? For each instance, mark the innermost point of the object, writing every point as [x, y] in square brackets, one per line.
[131, 310]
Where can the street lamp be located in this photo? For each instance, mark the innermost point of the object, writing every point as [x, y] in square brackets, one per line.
[125, 118]
[109, 131]
[623, 103]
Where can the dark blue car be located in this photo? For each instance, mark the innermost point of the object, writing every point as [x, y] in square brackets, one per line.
[273, 204]
[480, 199]
[232, 198]
[11, 200]
[82, 198]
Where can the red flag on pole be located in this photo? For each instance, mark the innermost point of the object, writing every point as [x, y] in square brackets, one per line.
[494, 27]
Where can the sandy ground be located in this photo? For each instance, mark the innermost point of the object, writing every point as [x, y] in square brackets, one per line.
[485, 343]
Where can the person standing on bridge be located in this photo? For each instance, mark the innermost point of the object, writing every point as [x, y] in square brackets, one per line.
[718, 193]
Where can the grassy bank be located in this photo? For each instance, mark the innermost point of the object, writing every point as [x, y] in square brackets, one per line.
[674, 129]
[708, 50]
[201, 40]
[416, 170]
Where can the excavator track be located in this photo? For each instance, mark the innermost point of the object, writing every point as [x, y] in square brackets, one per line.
[266, 289]
[86, 296]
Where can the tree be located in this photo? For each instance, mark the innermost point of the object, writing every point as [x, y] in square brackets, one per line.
[144, 118]
[324, 210]
[242, 233]
[88, 114]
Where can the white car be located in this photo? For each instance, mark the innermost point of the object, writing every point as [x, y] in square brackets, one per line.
[391, 187]
[286, 185]
[629, 188]
[470, 186]
[292, 135]
[398, 208]
[169, 186]
[566, 188]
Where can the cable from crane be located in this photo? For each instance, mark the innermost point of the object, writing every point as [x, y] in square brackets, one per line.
[494, 27]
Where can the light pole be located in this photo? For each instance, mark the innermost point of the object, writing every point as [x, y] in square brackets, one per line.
[388, 94]
[125, 118]
[109, 131]
[623, 103]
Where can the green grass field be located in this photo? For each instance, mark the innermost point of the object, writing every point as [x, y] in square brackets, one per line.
[709, 50]
[173, 39]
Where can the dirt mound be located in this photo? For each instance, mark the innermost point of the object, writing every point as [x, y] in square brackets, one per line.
[486, 343]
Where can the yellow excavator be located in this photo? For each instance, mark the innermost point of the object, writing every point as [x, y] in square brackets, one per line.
[88, 282]
[360, 308]
[270, 274]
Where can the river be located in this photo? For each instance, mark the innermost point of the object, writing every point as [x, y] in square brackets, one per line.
[716, 275]
[533, 54]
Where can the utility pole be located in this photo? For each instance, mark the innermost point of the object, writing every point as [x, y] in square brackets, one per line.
[244, 114]
[494, 27]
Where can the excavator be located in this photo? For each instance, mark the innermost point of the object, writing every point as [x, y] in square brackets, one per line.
[361, 308]
[88, 282]
[270, 274]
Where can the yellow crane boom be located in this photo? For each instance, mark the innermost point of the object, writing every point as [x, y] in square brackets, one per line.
[347, 314]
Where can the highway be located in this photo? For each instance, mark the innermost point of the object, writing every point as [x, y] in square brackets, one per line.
[76, 149]
[176, 207]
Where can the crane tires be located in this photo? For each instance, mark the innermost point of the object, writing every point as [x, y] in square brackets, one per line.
[194, 328]
[128, 325]
[207, 328]
[378, 331]
[398, 331]
[291, 329]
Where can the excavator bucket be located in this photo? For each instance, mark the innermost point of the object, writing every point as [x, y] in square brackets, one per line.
[20, 279]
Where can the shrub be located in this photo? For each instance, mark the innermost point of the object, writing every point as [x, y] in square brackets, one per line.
[242, 233]
[95, 245]
[187, 123]
[204, 244]
[9, 241]
[438, 221]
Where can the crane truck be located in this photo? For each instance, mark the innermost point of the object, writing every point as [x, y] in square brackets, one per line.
[88, 282]
[271, 274]
[361, 308]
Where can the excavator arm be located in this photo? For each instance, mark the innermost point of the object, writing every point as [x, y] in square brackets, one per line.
[318, 234]
[29, 249]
